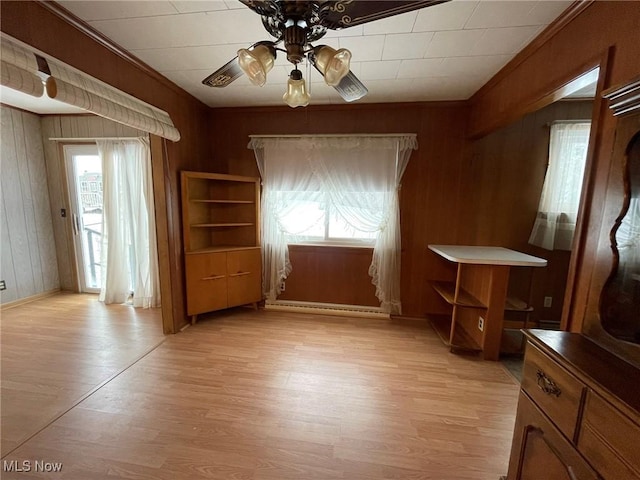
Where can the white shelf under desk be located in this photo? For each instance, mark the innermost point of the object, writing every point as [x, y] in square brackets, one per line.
[480, 290]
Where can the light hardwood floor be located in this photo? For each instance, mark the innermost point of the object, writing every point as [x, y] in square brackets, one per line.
[262, 395]
[58, 349]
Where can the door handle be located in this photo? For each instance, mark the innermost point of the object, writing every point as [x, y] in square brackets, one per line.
[213, 277]
[239, 274]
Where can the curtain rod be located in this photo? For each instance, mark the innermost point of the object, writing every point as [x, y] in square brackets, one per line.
[330, 135]
[88, 139]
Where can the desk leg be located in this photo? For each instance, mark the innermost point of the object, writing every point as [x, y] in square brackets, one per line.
[499, 282]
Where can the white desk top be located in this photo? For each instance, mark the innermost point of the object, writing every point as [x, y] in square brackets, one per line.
[487, 256]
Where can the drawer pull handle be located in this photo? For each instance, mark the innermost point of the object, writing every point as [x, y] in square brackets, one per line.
[240, 274]
[547, 385]
[213, 277]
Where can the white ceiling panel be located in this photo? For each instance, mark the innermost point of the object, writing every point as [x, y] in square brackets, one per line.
[191, 6]
[188, 58]
[443, 52]
[364, 49]
[183, 30]
[473, 66]
[445, 16]
[385, 70]
[498, 41]
[92, 10]
[544, 10]
[397, 24]
[453, 43]
[500, 13]
[418, 68]
[406, 45]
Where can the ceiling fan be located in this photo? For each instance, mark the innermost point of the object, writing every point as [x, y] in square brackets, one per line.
[298, 24]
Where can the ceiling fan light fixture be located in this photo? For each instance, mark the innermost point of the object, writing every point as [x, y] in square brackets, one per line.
[256, 63]
[296, 94]
[334, 64]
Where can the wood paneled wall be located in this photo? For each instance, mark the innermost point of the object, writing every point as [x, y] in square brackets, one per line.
[330, 275]
[603, 30]
[435, 206]
[52, 32]
[70, 126]
[29, 265]
[509, 167]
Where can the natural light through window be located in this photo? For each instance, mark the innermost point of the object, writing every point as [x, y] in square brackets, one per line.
[560, 200]
[316, 220]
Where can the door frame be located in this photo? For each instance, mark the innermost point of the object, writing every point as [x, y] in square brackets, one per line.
[75, 247]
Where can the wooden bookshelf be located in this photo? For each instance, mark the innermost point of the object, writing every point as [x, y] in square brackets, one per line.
[220, 215]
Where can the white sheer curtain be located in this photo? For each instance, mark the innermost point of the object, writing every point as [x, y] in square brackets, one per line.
[555, 222]
[129, 245]
[359, 176]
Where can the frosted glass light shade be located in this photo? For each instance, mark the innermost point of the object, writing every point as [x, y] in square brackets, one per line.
[334, 64]
[256, 63]
[296, 94]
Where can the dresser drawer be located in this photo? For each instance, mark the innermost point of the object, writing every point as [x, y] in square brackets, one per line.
[540, 452]
[610, 440]
[553, 389]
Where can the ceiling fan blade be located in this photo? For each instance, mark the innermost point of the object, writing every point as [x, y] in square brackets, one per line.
[224, 75]
[262, 7]
[351, 88]
[340, 14]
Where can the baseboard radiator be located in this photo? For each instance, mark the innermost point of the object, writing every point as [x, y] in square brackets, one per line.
[326, 309]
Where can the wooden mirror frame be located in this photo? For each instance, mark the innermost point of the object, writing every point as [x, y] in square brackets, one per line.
[624, 102]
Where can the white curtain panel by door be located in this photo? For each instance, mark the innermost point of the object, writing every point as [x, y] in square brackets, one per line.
[129, 249]
[360, 176]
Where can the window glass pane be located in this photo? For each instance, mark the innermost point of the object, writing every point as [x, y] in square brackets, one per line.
[303, 220]
[340, 229]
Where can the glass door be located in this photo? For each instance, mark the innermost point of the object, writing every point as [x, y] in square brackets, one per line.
[84, 177]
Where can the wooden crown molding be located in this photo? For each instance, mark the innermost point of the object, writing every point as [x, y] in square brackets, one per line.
[109, 44]
[624, 99]
[570, 13]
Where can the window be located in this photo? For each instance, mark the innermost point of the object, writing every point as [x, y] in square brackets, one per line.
[314, 219]
[560, 200]
[333, 189]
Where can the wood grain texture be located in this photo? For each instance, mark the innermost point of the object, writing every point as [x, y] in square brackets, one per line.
[509, 167]
[601, 26]
[330, 275]
[58, 349]
[36, 25]
[574, 386]
[434, 206]
[262, 395]
[29, 264]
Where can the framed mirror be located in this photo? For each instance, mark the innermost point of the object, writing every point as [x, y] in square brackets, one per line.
[620, 298]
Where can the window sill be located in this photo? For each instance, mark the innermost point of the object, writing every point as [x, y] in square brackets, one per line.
[332, 245]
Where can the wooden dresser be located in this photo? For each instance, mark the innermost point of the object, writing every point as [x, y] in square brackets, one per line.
[578, 413]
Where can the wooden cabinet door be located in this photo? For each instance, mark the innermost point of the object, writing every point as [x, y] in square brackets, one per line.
[540, 451]
[244, 282]
[206, 282]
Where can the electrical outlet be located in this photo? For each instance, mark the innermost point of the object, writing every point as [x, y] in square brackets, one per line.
[481, 324]
[282, 287]
[3, 285]
[547, 302]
